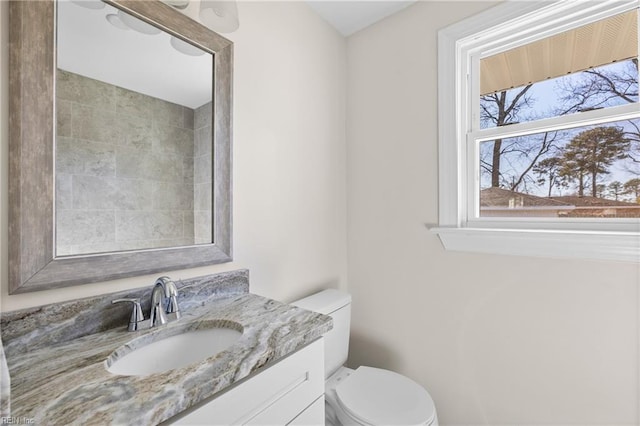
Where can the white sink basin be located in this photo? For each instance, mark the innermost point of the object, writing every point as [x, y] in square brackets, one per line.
[172, 352]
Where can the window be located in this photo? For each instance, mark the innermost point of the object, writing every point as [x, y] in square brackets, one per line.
[540, 146]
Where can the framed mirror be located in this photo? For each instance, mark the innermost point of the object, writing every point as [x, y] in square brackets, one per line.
[119, 142]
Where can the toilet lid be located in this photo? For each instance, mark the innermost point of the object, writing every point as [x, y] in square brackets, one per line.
[381, 397]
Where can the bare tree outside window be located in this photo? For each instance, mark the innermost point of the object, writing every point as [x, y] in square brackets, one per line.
[600, 162]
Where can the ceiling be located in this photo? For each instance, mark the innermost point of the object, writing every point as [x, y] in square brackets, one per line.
[91, 46]
[349, 17]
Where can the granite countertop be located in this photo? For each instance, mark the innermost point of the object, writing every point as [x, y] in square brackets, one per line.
[67, 382]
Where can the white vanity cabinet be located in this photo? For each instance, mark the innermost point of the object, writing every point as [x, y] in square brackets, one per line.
[289, 392]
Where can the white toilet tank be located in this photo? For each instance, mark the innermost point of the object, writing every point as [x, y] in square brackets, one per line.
[337, 305]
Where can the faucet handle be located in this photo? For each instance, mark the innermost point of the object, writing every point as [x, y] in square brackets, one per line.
[171, 295]
[172, 302]
[137, 317]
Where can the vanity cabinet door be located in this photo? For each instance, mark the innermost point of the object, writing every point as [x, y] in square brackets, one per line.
[312, 416]
[275, 396]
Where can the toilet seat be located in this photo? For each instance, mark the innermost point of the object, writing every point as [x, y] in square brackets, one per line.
[373, 396]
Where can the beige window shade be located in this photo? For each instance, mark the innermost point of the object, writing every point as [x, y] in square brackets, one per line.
[599, 43]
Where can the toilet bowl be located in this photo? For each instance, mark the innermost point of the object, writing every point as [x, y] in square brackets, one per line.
[373, 396]
[366, 395]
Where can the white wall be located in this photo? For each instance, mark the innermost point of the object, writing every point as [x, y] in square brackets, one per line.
[497, 340]
[289, 158]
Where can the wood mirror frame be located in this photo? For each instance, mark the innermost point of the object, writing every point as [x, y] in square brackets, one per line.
[32, 262]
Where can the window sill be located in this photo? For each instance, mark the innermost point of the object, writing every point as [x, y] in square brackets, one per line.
[615, 246]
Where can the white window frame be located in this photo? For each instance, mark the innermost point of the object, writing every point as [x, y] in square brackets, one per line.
[501, 28]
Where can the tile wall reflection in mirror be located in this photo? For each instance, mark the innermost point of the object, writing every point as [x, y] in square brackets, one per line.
[133, 134]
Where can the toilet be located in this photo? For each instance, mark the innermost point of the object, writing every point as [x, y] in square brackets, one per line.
[366, 395]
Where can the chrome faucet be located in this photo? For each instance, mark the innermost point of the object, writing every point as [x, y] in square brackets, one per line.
[163, 289]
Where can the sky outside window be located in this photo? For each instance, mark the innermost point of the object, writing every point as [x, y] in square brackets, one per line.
[594, 67]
